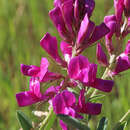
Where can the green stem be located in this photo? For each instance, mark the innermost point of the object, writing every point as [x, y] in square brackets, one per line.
[45, 121]
[127, 113]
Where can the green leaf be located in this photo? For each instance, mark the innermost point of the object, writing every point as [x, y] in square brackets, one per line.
[70, 121]
[51, 122]
[96, 97]
[24, 120]
[102, 124]
[120, 125]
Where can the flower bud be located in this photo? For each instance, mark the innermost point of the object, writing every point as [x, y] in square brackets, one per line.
[122, 64]
[57, 19]
[119, 7]
[49, 44]
[101, 56]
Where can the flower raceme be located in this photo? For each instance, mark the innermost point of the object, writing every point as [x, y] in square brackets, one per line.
[72, 19]
[116, 23]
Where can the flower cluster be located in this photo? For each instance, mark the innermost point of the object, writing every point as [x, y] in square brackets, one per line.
[72, 18]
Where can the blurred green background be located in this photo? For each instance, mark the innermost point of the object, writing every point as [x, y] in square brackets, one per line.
[22, 24]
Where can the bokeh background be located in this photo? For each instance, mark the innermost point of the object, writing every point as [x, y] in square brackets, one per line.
[22, 24]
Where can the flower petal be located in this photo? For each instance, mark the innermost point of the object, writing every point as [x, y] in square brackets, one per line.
[58, 104]
[50, 76]
[127, 7]
[51, 91]
[66, 50]
[57, 19]
[68, 98]
[63, 125]
[93, 108]
[99, 32]
[34, 86]
[27, 98]
[119, 7]
[103, 85]
[76, 64]
[86, 29]
[30, 70]
[81, 100]
[49, 44]
[76, 11]
[68, 14]
[101, 56]
[88, 74]
[122, 63]
[43, 68]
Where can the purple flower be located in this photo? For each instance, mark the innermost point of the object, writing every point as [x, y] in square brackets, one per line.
[49, 44]
[127, 7]
[87, 107]
[65, 103]
[101, 56]
[60, 2]
[119, 8]
[123, 61]
[29, 97]
[80, 69]
[35, 71]
[42, 72]
[114, 26]
[34, 95]
[122, 64]
[68, 15]
[38, 75]
[98, 32]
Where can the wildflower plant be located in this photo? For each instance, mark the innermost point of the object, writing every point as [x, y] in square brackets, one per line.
[73, 97]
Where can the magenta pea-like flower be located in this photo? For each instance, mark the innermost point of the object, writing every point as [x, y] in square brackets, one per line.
[34, 95]
[122, 61]
[114, 27]
[80, 69]
[49, 44]
[72, 19]
[89, 33]
[65, 103]
[38, 75]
